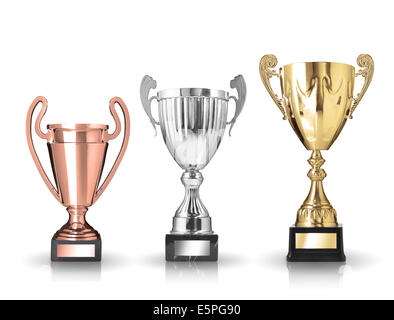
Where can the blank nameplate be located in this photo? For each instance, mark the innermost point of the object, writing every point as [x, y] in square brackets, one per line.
[316, 241]
[76, 251]
[192, 247]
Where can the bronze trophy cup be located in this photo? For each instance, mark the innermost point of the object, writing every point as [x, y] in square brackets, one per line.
[77, 153]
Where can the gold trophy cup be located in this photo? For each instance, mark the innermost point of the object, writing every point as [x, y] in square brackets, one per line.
[317, 99]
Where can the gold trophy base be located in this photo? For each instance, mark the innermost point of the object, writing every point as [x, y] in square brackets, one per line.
[85, 250]
[316, 244]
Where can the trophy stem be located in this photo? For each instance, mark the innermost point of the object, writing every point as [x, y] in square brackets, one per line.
[77, 217]
[192, 217]
[191, 237]
[316, 211]
[76, 229]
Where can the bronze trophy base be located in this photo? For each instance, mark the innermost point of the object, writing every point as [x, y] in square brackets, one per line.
[316, 244]
[63, 250]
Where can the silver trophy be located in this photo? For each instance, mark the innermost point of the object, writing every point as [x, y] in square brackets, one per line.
[192, 121]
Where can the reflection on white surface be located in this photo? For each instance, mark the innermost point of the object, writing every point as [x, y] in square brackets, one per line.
[76, 271]
[315, 273]
[203, 271]
[191, 271]
[66, 271]
[328, 273]
[307, 274]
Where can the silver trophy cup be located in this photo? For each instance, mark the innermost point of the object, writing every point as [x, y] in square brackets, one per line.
[193, 122]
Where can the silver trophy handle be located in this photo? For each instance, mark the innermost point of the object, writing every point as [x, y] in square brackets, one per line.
[147, 84]
[238, 83]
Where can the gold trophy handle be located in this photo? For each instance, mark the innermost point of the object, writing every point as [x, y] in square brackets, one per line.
[268, 62]
[42, 135]
[112, 136]
[364, 61]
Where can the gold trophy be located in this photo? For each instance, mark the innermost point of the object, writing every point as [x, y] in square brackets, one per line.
[317, 99]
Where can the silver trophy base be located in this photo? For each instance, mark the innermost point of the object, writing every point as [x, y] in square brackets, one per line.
[188, 247]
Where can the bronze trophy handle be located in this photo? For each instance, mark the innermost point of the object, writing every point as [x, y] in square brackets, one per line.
[364, 61]
[268, 62]
[112, 136]
[42, 135]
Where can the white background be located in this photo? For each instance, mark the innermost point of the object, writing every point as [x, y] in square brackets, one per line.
[79, 54]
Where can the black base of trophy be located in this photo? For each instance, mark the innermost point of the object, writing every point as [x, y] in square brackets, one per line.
[63, 250]
[320, 244]
[191, 247]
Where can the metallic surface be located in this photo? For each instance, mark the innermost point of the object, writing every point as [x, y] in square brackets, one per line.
[316, 211]
[192, 216]
[316, 241]
[193, 122]
[317, 99]
[192, 92]
[76, 250]
[192, 128]
[77, 153]
[192, 248]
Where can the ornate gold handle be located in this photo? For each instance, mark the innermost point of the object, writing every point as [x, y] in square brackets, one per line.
[268, 62]
[42, 135]
[125, 141]
[364, 61]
